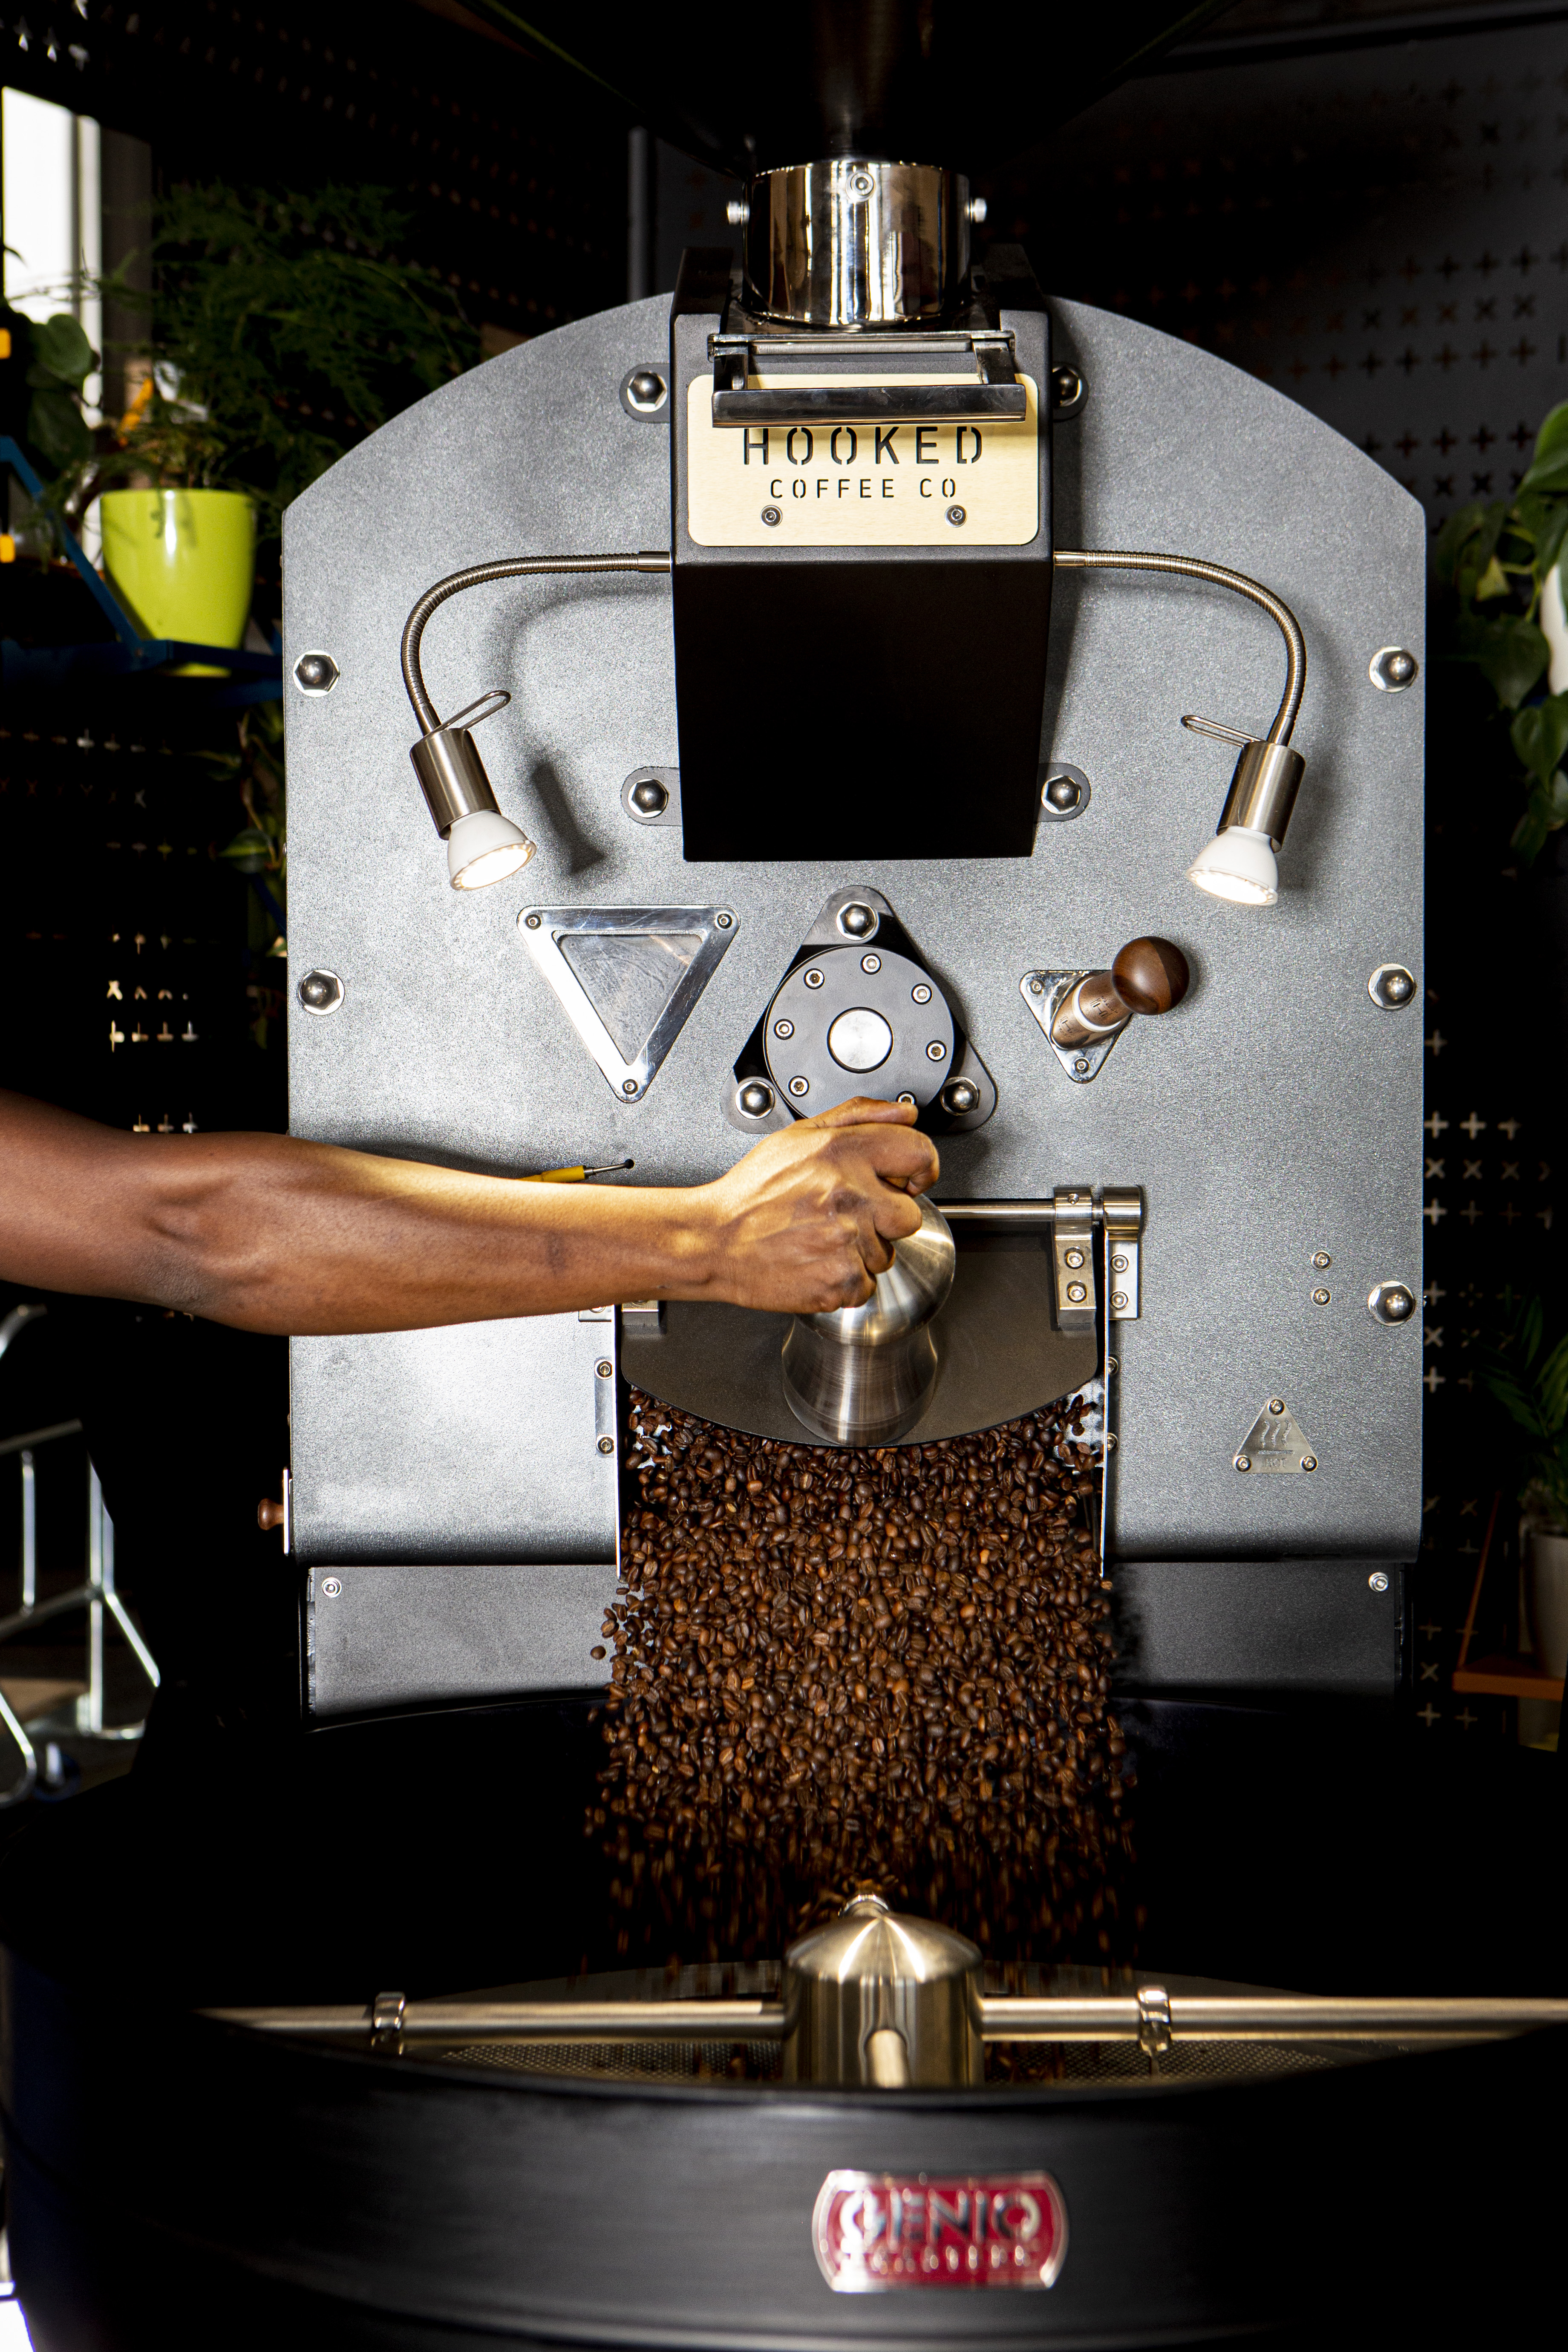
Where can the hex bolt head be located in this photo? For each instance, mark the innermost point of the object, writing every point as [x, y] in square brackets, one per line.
[604, 1367]
[871, 963]
[957, 515]
[1391, 1302]
[645, 389]
[936, 1051]
[1063, 793]
[316, 672]
[321, 992]
[756, 1099]
[1391, 987]
[1378, 1580]
[857, 921]
[772, 517]
[648, 796]
[1391, 669]
[607, 1444]
[1243, 1461]
[1321, 1297]
[798, 1087]
[959, 1097]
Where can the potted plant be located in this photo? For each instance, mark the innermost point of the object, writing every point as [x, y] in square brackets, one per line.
[1530, 1381]
[280, 330]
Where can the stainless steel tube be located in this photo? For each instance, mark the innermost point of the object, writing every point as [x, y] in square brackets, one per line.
[1195, 567]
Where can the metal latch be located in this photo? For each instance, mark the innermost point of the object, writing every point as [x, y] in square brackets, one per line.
[993, 393]
[1072, 1251]
[1123, 1213]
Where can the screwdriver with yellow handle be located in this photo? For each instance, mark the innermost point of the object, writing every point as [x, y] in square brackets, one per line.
[577, 1175]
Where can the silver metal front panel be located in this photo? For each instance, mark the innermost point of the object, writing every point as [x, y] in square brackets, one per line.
[398, 1636]
[1275, 1114]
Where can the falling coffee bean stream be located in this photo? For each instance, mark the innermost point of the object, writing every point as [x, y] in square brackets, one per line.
[839, 1671]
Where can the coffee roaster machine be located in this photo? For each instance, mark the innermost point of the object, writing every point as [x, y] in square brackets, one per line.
[864, 643]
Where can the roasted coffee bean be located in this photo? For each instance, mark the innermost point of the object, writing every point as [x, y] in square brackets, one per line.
[882, 1669]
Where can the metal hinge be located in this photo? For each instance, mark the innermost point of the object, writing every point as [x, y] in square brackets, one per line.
[1123, 1215]
[1072, 1253]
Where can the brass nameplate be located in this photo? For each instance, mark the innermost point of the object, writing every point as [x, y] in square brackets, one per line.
[860, 485]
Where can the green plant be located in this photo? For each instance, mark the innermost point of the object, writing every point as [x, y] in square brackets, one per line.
[281, 329]
[1532, 1388]
[1493, 559]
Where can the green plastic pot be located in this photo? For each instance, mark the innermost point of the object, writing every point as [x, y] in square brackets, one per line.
[184, 565]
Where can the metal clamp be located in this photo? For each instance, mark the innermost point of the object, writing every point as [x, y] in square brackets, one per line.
[1123, 1215]
[387, 2012]
[994, 394]
[1072, 1254]
[1155, 2031]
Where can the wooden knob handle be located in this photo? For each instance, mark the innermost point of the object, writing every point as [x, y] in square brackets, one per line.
[269, 1515]
[1150, 975]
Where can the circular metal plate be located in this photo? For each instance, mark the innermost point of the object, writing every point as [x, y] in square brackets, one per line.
[863, 1000]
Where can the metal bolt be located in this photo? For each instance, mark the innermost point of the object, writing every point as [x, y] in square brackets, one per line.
[604, 1367]
[737, 212]
[1391, 669]
[1062, 794]
[1080, 1063]
[1276, 1404]
[1037, 985]
[1073, 1256]
[956, 515]
[977, 211]
[648, 796]
[723, 921]
[1391, 986]
[936, 1051]
[920, 994]
[1118, 1299]
[332, 1588]
[800, 1085]
[1069, 391]
[1110, 1441]
[1243, 1461]
[1309, 1461]
[1391, 1302]
[861, 183]
[607, 1444]
[756, 1099]
[959, 1097]
[1113, 1363]
[532, 922]
[1320, 1297]
[321, 992]
[1078, 1293]
[783, 1028]
[1118, 1265]
[857, 921]
[628, 1085]
[1321, 1259]
[907, 1099]
[772, 516]
[813, 979]
[645, 389]
[1378, 1580]
[871, 963]
[316, 672]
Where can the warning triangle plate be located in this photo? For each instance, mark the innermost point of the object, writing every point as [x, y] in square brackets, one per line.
[1275, 1442]
[627, 977]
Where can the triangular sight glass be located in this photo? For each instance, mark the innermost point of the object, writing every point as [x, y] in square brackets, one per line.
[627, 977]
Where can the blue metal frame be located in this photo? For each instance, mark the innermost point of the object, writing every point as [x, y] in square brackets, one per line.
[257, 677]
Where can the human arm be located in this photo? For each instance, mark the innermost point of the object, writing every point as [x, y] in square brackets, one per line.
[272, 1234]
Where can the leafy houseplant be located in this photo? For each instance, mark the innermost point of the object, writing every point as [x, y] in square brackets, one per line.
[1494, 561]
[1533, 1389]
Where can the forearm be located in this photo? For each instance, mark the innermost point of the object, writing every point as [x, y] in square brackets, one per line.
[270, 1233]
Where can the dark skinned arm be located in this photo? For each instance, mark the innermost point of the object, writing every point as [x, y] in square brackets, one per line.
[270, 1233]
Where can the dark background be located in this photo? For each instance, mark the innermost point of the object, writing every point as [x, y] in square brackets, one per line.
[1365, 206]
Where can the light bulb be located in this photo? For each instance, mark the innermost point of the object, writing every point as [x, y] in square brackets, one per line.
[1237, 865]
[484, 848]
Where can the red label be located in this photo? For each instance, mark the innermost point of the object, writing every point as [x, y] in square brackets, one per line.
[876, 2229]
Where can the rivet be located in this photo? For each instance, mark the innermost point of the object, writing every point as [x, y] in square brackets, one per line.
[1243, 1461]
[628, 1085]
[1321, 1259]
[871, 964]
[331, 1587]
[532, 922]
[723, 921]
[607, 1444]
[1037, 985]
[783, 1028]
[956, 515]
[1118, 1265]
[1276, 1404]
[604, 1367]
[1309, 1461]
[1118, 1299]
[1080, 1065]
[771, 516]
[1320, 1297]
[919, 994]
[1378, 1580]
